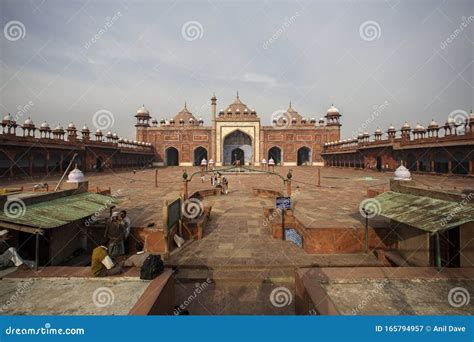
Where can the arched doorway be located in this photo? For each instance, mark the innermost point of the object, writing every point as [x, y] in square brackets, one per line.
[304, 156]
[379, 163]
[441, 164]
[238, 155]
[200, 153]
[238, 140]
[171, 157]
[275, 154]
[99, 164]
[460, 164]
[411, 162]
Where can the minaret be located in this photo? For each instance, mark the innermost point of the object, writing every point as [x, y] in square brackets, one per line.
[213, 130]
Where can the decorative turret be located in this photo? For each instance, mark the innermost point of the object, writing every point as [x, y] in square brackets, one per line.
[333, 116]
[85, 133]
[29, 128]
[406, 129]
[71, 132]
[45, 130]
[58, 132]
[9, 124]
[98, 135]
[391, 132]
[143, 116]
[378, 134]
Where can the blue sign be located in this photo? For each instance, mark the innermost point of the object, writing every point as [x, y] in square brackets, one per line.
[294, 236]
[283, 203]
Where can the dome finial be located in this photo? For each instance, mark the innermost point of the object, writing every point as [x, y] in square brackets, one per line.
[185, 105]
[237, 94]
[290, 103]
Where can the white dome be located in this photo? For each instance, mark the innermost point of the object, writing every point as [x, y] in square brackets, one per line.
[378, 131]
[264, 161]
[406, 125]
[142, 110]
[271, 161]
[402, 173]
[85, 128]
[75, 176]
[333, 110]
[44, 125]
[29, 122]
[204, 162]
[98, 131]
[71, 125]
[391, 127]
[8, 117]
[433, 123]
[59, 127]
[451, 120]
[115, 135]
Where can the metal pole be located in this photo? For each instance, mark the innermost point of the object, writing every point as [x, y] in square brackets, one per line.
[156, 178]
[438, 252]
[37, 252]
[319, 176]
[64, 174]
[366, 231]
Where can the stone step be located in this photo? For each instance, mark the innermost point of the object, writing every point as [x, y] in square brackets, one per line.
[237, 275]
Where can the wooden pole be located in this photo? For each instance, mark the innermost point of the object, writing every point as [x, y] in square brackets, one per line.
[37, 252]
[438, 252]
[319, 176]
[156, 178]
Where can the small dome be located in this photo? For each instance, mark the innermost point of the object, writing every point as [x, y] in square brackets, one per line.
[75, 176]
[204, 162]
[114, 135]
[366, 134]
[264, 161]
[378, 131]
[221, 111]
[406, 125]
[391, 128]
[402, 173]
[44, 125]
[321, 120]
[333, 110]
[109, 134]
[71, 125]
[433, 124]
[59, 128]
[142, 110]
[201, 120]
[451, 120]
[98, 131]
[29, 122]
[85, 128]
[271, 161]
[360, 135]
[253, 111]
[246, 110]
[312, 120]
[8, 117]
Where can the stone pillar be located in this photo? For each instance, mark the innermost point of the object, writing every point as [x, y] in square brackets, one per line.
[213, 154]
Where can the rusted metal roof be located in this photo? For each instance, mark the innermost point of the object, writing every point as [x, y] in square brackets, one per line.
[425, 213]
[58, 212]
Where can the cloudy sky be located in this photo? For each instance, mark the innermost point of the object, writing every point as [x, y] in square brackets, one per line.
[379, 62]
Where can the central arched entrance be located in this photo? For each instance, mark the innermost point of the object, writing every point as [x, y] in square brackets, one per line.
[239, 143]
[238, 155]
[304, 156]
[172, 156]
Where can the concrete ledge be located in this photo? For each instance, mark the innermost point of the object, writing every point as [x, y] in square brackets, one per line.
[158, 298]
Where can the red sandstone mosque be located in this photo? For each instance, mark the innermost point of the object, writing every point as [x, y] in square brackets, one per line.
[237, 134]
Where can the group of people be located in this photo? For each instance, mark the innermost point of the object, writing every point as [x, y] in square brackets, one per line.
[104, 261]
[219, 181]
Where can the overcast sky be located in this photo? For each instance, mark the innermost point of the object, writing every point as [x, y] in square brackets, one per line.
[63, 61]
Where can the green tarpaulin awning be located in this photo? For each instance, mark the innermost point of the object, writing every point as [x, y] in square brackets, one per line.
[425, 213]
[61, 211]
